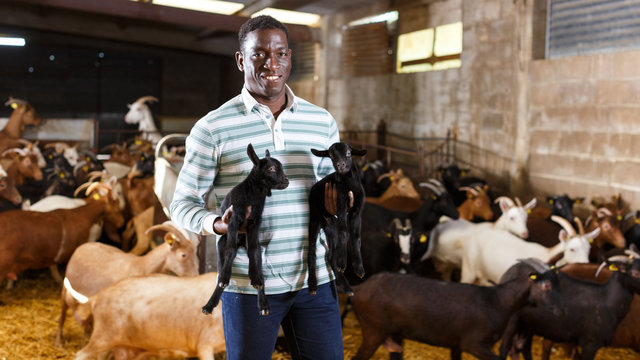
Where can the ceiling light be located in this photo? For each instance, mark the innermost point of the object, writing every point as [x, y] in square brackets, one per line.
[211, 6]
[12, 41]
[291, 17]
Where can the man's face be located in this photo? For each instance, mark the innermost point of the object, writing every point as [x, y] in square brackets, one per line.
[265, 59]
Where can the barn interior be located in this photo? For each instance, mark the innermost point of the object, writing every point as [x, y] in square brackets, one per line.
[536, 97]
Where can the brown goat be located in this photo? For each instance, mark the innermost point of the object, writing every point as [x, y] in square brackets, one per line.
[37, 240]
[477, 204]
[94, 266]
[401, 195]
[8, 189]
[21, 164]
[23, 114]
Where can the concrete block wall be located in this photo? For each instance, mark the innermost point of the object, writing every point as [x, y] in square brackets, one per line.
[534, 127]
[583, 121]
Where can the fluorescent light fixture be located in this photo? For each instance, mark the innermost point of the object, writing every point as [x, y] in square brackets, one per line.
[389, 17]
[291, 17]
[211, 6]
[12, 41]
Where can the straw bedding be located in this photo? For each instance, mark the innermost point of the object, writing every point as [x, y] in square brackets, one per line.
[30, 311]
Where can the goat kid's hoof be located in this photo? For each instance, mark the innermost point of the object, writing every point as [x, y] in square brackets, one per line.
[264, 312]
[222, 285]
[206, 310]
[258, 287]
[360, 273]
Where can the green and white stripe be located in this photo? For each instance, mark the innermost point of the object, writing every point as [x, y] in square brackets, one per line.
[217, 154]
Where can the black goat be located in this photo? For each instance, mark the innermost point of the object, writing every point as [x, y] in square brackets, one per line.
[343, 232]
[463, 317]
[542, 229]
[266, 174]
[590, 311]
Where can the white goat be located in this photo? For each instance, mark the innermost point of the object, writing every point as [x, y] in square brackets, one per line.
[488, 253]
[140, 114]
[448, 237]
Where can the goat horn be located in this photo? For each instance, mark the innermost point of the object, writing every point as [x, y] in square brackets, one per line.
[97, 185]
[580, 227]
[407, 223]
[384, 176]
[478, 188]
[632, 253]
[78, 166]
[397, 223]
[95, 174]
[538, 265]
[603, 211]
[2, 172]
[602, 265]
[170, 227]
[473, 191]
[436, 183]
[13, 100]
[431, 187]
[505, 198]
[620, 258]
[81, 187]
[148, 98]
[565, 225]
[518, 202]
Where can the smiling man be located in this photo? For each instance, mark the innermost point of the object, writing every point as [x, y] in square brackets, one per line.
[269, 116]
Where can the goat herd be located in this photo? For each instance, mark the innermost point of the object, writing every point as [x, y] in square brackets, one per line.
[453, 265]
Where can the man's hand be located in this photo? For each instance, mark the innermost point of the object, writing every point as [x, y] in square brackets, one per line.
[331, 199]
[220, 226]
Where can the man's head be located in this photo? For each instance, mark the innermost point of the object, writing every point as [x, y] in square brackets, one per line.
[264, 57]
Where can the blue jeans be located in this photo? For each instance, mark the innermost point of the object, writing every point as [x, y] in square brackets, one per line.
[311, 323]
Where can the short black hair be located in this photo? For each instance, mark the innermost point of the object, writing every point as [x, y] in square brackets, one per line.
[259, 23]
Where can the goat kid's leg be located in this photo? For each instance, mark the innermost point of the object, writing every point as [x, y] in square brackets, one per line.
[346, 287]
[226, 254]
[255, 269]
[355, 246]
[341, 247]
[314, 229]
[456, 353]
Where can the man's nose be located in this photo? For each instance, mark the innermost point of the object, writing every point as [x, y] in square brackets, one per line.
[271, 62]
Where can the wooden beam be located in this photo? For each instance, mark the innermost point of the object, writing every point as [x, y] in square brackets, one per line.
[26, 16]
[165, 14]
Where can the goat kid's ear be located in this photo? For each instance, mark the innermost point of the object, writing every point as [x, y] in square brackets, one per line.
[252, 155]
[320, 153]
[266, 153]
[357, 152]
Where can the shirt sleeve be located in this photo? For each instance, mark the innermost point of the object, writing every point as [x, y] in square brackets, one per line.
[195, 182]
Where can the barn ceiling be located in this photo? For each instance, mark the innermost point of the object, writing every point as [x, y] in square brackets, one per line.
[147, 23]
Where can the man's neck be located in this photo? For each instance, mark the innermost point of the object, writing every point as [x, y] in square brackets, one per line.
[275, 105]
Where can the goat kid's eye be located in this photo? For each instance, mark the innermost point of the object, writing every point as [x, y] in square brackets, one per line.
[271, 169]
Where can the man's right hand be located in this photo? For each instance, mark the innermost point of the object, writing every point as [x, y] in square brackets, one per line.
[220, 226]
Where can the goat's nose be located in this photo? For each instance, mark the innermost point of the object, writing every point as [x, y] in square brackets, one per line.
[525, 234]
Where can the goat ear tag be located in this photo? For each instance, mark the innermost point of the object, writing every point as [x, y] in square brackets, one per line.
[14, 106]
[533, 276]
[619, 217]
[612, 267]
[528, 211]
[364, 168]
[551, 201]
[170, 238]
[388, 234]
[463, 173]
[423, 238]
[590, 241]
[138, 142]
[61, 175]
[96, 196]
[637, 220]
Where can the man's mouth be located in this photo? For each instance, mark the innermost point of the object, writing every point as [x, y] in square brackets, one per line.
[272, 77]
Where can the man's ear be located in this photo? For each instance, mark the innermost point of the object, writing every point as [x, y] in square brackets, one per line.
[240, 60]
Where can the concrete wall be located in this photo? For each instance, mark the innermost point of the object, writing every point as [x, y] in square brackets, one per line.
[532, 126]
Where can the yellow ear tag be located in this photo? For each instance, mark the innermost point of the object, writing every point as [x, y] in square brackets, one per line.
[619, 217]
[96, 196]
[590, 241]
[85, 168]
[14, 106]
[50, 156]
[388, 234]
[612, 267]
[170, 238]
[638, 221]
[463, 173]
[551, 201]
[469, 196]
[392, 178]
[578, 201]
[364, 168]
[138, 142]
[423, 238]
[533, 276]
[434, 197]
[61, 175]
[528, 211]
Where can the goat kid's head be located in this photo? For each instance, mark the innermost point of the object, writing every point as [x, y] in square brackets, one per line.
[340, 154]
[269, 170]
[98, 191]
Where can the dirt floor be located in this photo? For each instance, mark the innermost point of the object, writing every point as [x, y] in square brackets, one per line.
[30, 311]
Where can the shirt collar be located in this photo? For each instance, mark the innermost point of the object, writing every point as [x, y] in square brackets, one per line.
[250, 102]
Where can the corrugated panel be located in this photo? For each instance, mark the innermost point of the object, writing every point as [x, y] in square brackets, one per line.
[365, 50]
[592, 26]
[304, 60]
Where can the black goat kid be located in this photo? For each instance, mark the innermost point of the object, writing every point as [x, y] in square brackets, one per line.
[347, 222]
[266, 174]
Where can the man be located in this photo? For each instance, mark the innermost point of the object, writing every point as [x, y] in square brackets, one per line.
[268, 115]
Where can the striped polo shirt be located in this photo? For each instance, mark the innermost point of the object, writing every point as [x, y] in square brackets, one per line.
[216, 160]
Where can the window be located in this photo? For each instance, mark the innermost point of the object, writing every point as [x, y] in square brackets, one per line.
[430, 49]
[366, 46]
[585, 26]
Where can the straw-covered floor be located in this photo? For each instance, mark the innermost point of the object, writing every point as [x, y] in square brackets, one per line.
[29, 318]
